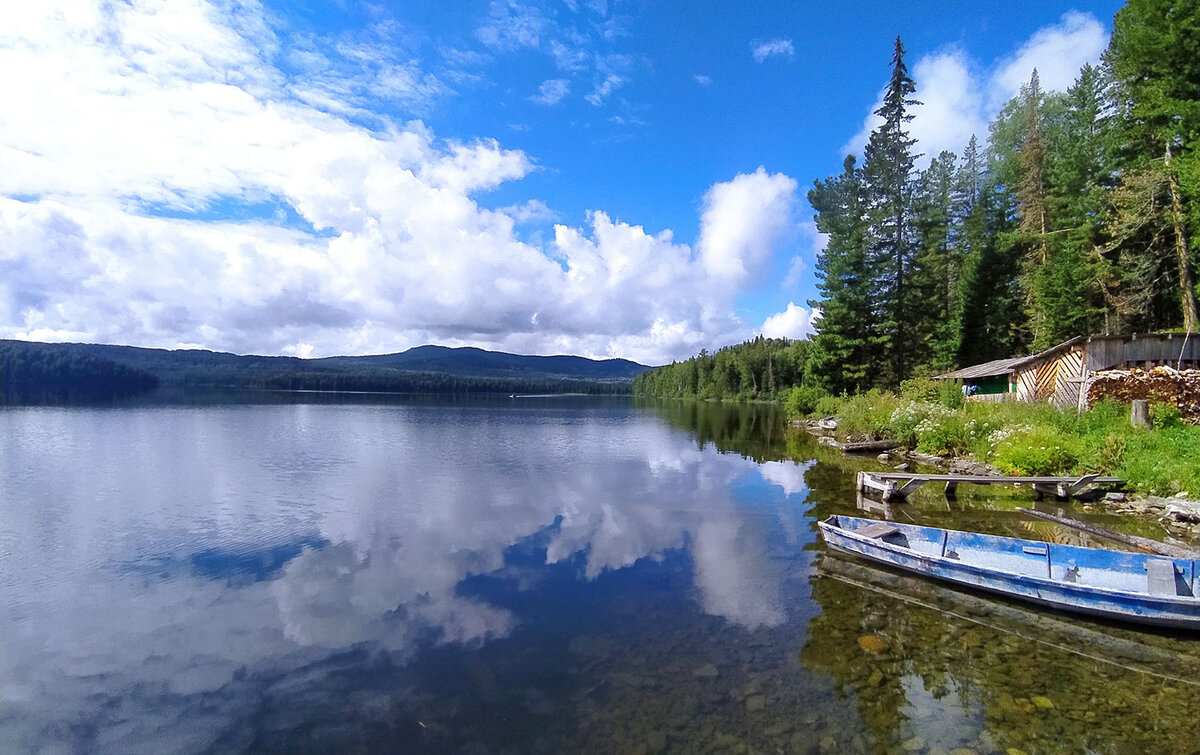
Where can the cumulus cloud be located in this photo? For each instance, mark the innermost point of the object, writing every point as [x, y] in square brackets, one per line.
[794, 322]
[1057, 52]
[347, 238]
[772, 48]
[959, 97]
[743, 221]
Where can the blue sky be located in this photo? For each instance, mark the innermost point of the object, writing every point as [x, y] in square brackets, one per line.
[602, 178]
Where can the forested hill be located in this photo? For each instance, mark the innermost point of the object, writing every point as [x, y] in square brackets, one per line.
[33, 372]
[480, 363]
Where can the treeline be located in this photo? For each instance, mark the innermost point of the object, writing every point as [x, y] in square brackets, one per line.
[402, 381]
[32, 375]
[1079, 215]
[763, 369]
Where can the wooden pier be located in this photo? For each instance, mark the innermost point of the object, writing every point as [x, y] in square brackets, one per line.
[895, 486]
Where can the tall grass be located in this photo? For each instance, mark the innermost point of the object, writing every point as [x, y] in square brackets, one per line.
[1031, 439]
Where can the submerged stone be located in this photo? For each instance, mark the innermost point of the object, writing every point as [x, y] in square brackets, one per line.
[707, 671]
[872, 643]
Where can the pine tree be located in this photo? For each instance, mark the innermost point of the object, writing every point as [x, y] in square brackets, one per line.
[888, 171]
[845, 348]
[1154, 58]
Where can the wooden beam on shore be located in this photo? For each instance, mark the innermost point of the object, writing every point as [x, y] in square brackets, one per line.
[1141, 543]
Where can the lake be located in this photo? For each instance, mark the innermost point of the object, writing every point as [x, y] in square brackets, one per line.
[360, 574]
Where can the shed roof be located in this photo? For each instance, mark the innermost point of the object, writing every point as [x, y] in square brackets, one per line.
[987, 369]
[1003, 366]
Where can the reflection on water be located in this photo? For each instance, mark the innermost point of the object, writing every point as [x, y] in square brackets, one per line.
[545, 576]
[943, 668]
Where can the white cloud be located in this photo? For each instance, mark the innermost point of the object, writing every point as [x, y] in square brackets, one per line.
[743, 220]
[703, 80]
[794, 322]
[530, 212]
[552, 92]
[772, 48]
[1057, 52]
[604, 88]
[796, 268]
[121, 231]
[512, 25]
[959, 100]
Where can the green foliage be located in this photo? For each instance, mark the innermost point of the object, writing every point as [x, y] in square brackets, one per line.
[1163, 462]
[827, 406]
[1032, 439]
[1081, 216]
[1165, 415]
[1037, 451]
[803, 400]
[763, 369]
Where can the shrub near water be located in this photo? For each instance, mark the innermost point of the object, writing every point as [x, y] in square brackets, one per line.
[1038, 451]
[1034, 439]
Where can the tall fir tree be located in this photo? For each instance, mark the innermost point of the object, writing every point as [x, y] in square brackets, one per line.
[845, 350]
[936, 267]
[1079, 173]
[888, 172]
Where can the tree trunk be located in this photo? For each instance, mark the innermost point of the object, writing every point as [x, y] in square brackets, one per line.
[1190, 316]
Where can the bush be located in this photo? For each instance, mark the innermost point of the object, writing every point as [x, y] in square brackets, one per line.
[1038, 450]
[922, 390]
[1165, 415]
[828, 406]
[802, 400]
[942, 433]
[870, 414]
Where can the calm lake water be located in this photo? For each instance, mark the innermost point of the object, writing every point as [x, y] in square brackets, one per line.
[301, 574]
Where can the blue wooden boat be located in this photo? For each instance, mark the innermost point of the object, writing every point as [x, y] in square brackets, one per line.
[1134, 587]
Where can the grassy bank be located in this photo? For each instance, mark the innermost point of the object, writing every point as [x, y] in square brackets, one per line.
[1030, 439]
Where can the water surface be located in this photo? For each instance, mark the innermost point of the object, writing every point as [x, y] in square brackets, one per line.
[539, 575]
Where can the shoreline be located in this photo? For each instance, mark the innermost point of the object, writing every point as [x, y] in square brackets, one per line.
[1178, 515]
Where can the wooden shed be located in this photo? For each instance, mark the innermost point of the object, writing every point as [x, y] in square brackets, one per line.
[1059, 374]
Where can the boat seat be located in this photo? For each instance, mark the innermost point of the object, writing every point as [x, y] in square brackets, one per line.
[1160, 577]
[878, 530]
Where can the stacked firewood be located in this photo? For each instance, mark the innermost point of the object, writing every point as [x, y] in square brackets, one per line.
[1158, 385]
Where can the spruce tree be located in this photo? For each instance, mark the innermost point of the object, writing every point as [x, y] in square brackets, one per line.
[845, 348]
[936, 267]
[888, 172]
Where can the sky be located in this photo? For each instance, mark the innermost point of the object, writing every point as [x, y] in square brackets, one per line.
[593, 177]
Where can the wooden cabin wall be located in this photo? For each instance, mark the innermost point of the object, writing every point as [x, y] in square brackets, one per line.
[1144, 351]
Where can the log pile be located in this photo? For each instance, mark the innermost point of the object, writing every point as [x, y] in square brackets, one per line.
[1158, 385]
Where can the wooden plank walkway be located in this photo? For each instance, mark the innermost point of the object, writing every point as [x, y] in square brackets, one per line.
[895, 486]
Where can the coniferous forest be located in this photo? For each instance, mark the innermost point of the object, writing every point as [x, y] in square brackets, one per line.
[1077, 213]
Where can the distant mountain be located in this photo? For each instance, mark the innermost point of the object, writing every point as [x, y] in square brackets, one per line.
[474, 362]
[32, 372]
